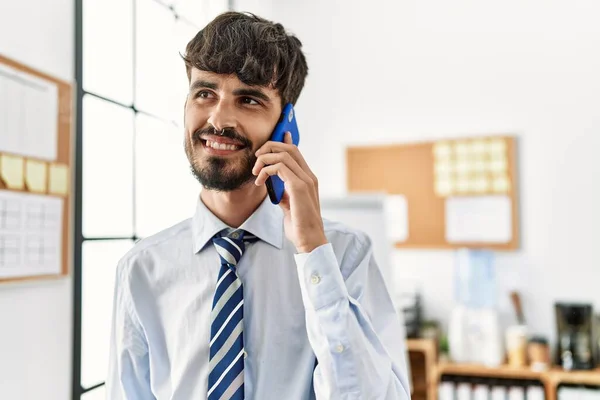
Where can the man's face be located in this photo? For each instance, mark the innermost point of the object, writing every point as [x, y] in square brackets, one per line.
[226, 121]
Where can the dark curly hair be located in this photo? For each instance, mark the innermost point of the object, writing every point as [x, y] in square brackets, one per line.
[258, 51]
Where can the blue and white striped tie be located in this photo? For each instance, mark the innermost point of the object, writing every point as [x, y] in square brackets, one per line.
[226, 378]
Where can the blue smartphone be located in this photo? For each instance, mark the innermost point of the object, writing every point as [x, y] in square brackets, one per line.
[287, 123]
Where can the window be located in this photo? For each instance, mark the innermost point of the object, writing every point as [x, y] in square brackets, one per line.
[131, 171]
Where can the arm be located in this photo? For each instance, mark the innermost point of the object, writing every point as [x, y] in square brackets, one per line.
[352, 326]
[129, 369]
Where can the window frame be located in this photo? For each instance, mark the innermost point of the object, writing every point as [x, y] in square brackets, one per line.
[78, 238]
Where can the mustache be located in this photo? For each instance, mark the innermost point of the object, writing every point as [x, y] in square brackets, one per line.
[227, 132]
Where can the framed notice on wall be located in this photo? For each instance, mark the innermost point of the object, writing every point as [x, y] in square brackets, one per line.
[35, 173]
[455, 193]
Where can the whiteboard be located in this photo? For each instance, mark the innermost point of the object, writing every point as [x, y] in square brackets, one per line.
[365, 213]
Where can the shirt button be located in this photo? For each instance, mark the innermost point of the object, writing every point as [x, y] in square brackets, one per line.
[315, 279]
[235, 235]
[339, 348]
[245, 354]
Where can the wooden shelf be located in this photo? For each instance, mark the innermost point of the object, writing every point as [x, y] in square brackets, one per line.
[554, 375]
[421, 345]
[503, 371]
[424, 378]
[551, 379]
[559, 376]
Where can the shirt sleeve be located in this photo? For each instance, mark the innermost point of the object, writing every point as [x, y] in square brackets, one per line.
[352, 325]
[129, 368]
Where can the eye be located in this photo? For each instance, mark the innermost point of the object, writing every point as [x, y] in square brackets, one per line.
[204, 94]
[249, 101]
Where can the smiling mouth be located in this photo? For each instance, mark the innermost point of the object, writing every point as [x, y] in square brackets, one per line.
[220, 146]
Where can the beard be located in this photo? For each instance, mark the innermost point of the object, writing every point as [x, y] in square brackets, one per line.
[225, 175]
[220, 173]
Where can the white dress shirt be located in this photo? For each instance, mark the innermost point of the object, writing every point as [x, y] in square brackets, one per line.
[319, 325]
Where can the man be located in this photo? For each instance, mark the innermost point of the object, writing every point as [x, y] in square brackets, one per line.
[248, 299]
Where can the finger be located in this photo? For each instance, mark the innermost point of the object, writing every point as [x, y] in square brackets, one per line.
[292, 182]
[282, 171]
[285, 158]
[287, 138]
[274, 147]
[307, 176]
[278, 147]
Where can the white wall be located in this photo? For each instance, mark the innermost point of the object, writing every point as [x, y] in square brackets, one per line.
[36, 319]
[393, 71]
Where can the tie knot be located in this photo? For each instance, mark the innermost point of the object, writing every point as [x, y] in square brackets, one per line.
[232, 247]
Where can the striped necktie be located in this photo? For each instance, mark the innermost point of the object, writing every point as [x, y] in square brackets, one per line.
[226, 377]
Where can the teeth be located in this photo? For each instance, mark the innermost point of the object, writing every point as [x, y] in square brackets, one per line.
[221, 146]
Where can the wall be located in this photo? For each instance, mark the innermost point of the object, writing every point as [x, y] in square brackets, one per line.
[36, 318]
[387, 72]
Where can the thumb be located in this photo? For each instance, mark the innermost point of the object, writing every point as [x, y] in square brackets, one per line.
[287, 138]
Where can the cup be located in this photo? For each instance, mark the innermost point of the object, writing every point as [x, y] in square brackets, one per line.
[538, 353]
[516, 345]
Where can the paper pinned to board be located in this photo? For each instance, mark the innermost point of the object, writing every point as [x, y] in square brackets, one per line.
[30, 234]
[29, 114]
[396, 210]
[483, 219]
[11, 171]
[35, 176]
[59, 179]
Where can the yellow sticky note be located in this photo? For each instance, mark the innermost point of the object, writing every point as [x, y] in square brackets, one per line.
[480, 183]
[444, 187]
[501, 184]
[478, 147]
[463, 185]
[59, 179]
[499, 165]
[442, 151]
[443, 168]
[35, 176]
[497, 146]
[461, 148]
[11, 171]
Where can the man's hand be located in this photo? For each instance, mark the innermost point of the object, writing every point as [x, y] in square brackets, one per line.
[300, 203]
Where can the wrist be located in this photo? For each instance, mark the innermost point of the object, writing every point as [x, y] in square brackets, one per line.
[309, 246]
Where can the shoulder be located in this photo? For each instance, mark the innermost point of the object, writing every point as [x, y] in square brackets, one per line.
[351, 246]
[160, 245]
[343, 233]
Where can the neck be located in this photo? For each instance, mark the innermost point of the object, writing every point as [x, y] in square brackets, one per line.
[236, 206]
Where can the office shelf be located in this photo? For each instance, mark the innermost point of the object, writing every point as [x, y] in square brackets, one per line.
[503, 371]
[434, 370]
[559, 376]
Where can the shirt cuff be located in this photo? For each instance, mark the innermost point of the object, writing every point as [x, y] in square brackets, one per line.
[321, 281]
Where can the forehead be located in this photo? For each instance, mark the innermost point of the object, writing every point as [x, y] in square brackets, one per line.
[229, 82]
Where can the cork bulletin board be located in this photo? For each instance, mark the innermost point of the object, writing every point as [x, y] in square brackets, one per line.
[456, 193]
[35, 173]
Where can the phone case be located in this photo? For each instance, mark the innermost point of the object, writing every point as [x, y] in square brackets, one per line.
[287, 123]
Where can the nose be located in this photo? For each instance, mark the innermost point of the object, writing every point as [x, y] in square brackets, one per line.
[223, 116]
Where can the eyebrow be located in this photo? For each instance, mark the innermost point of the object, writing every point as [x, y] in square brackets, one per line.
[254, 93]
[199, 84]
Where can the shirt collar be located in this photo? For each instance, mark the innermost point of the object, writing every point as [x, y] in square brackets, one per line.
[266, 223]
